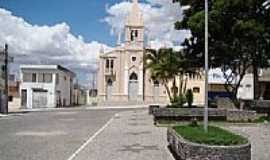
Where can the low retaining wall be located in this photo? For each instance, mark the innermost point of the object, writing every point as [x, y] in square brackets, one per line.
[213, 114]
[152, 108]
[260, 106]
[185, 150]
[241, 116]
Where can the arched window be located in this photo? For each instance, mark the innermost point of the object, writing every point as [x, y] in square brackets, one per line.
[133, 35]
[133, 76]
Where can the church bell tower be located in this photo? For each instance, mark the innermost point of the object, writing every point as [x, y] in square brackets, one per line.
[134, 28]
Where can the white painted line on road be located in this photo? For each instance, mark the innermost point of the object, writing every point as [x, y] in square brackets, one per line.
[90, 139]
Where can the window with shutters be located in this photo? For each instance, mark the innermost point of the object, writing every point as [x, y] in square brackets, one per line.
[48, 78]
[44, 77]
[112, 64]
[27, 77]
[40, 77]
[196, 89]
[57, 78]
[107, 63]
[34, 77]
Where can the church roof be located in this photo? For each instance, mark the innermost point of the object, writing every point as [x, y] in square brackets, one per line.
[112, 52]
[135, 16]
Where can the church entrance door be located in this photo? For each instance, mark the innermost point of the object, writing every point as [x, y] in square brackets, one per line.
[109, 89]
[133, 87]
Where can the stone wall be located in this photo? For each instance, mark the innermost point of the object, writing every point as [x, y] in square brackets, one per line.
[174, 112]
[152, 108]
[224, 103]
[241, 116]
[213, 114]
[185, 150]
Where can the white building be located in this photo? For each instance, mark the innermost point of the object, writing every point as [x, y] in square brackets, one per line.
[91, 97]
[79, 95]
[217, 81]
[246, 89]
[46, 86]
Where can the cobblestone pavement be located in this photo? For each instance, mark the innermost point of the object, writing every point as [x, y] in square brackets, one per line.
[259, 135]
[130, 136]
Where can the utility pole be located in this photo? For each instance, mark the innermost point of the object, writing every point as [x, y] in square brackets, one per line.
[206, 68]
[4, 98]
[6, 81]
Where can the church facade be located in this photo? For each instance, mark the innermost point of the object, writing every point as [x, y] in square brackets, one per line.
[121, 74]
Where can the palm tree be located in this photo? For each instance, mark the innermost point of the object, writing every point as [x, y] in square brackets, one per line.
[166, 65]
[162, 67]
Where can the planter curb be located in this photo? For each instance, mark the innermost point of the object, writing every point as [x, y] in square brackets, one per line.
[185, 150]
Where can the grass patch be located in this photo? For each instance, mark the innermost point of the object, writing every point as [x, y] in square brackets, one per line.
[214, 136]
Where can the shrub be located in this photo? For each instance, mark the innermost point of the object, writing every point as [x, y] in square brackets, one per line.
[178, 101]
[189, 97]
[194, 122]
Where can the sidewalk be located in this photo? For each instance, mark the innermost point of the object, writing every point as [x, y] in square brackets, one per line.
[3, 115]
[78, 107]
[130, 136]
[259, 135]
[117, 107]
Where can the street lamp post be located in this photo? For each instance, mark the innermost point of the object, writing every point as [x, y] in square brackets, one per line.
[206, 69]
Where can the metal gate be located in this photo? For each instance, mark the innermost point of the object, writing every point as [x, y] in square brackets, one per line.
[39, 99]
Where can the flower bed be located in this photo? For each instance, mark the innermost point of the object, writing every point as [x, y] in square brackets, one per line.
[192, 143]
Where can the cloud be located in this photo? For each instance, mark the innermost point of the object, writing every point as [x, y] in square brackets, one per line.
[159, 19]
[33, 44]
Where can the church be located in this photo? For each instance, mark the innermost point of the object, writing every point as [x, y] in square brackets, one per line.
[121, 74]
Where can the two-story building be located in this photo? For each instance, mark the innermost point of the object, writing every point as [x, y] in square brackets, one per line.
[46, 86]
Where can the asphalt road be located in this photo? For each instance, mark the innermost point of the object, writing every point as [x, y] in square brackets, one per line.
[53, 135]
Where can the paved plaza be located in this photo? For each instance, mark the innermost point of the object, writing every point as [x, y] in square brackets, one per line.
[130, 136]
[96, 134]
[259, 135]
[99, 134]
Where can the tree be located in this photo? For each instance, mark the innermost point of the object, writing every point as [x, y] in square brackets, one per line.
[166, 65]
[161, 65]
[238, 37]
